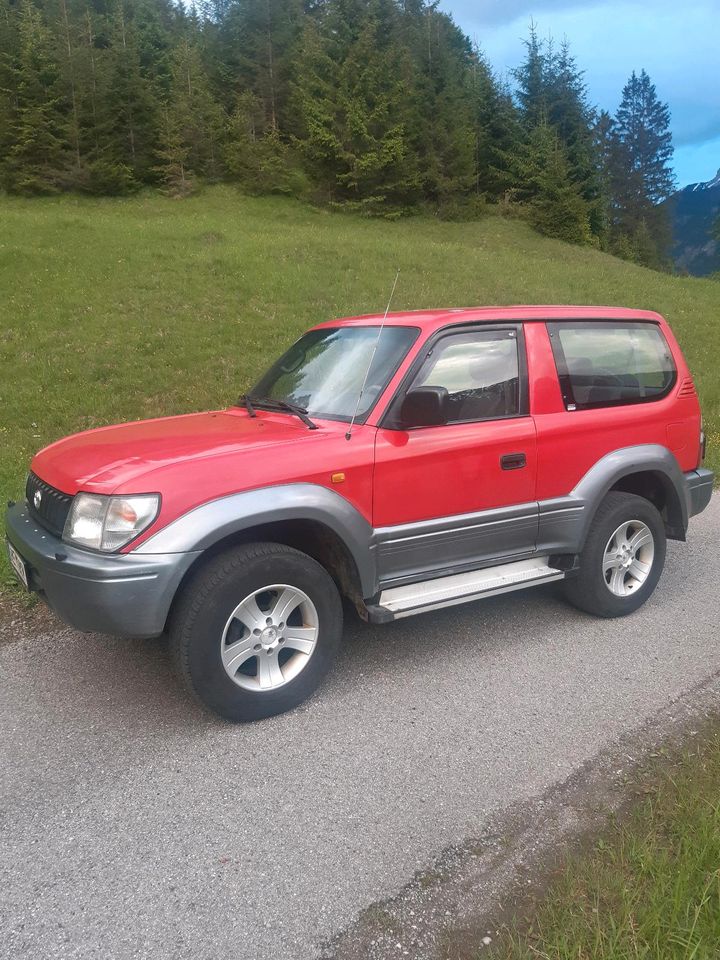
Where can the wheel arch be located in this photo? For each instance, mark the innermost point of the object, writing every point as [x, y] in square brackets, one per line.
[308, 517]
[649, 471]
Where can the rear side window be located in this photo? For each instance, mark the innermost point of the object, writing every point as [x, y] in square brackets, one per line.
[606, 364]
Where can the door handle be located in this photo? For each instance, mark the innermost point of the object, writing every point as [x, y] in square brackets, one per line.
[513, 461]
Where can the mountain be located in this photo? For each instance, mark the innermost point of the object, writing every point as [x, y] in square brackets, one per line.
[693, 211]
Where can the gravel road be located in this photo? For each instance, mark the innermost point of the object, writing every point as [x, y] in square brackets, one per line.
[133, 824]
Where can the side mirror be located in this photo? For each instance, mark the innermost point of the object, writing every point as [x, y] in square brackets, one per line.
[424, 407]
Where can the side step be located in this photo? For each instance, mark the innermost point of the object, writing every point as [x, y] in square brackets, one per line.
[446, 591]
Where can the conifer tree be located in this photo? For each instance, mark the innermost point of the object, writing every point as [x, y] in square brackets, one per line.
[498, 132]
[38, 155]
[9, 46]
[552, 92]
[256, 156]
[641, 173]
[557, 206]
[448, 150]
[259, 37]
[570, 113]
[68, 67]
[125, 113]
[351, 106]
[193, 127]
[532, 82]
[172, 155]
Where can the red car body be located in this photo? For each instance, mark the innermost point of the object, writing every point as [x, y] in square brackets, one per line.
[391, 477]
[497, 449]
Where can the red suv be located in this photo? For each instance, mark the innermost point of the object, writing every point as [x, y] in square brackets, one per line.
[405, 463]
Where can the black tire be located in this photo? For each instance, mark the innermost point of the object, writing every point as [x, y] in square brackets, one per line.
[201, 613]
[588, 590]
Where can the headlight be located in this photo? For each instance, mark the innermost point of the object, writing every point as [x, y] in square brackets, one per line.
[108, 523]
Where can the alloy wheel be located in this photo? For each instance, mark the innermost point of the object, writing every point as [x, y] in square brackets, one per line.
[269, 637]
[628, 558]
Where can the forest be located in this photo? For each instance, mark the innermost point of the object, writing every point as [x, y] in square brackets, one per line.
[379, 106]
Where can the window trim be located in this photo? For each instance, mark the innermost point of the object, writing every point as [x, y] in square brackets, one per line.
[390, 419]
[563, 374]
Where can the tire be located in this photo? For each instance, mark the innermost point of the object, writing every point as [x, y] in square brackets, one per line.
[622, 521]
[255, 630]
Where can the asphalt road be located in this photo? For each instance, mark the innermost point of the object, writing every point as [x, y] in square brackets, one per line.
[135, 825]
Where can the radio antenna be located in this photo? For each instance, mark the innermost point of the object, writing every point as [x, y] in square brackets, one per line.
[372, 357]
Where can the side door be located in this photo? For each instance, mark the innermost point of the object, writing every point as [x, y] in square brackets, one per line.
[460, 494]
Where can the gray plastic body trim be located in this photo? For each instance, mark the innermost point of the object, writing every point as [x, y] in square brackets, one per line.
[447, 543]
[123, 594]
[564, 521]
[207, 524]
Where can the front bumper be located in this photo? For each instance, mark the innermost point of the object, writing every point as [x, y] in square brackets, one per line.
[126, 595]
[699, 485]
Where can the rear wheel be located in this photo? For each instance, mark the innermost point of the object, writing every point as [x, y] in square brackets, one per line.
[256, 630]
[622, 559]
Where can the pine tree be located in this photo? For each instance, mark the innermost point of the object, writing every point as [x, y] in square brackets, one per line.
[532, 82]
[603, 138]
[256, 156]
[380, 105]
[121, 112]
[352, 108]
[556, 204]
[172, 154]
[9, 46]
[641, 173]
[498, 133]
[570, 113]
[38, 155]
[68, 68]
[448, 141]
[193, 127]
[259, 38]
[552, 92]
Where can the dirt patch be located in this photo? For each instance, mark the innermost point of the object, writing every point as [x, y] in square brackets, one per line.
[453, 910]
[20, 618]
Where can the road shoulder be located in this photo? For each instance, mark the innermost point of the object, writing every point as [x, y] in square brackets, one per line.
[472, 889]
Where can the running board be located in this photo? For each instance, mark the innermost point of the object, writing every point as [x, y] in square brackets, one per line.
[446, 591]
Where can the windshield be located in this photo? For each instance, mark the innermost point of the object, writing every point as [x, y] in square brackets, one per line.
[324, 371]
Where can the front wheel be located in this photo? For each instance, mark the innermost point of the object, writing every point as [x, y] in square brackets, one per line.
[256, 630]
[622, 559]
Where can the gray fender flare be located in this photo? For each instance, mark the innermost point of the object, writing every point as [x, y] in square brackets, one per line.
[211, 522]
[611, 468]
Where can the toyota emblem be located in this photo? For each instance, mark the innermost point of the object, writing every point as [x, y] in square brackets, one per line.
[37, 499]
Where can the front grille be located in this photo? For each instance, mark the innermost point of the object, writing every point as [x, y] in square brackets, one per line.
[53, 508]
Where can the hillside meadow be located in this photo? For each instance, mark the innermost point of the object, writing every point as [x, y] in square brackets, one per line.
[121, 309]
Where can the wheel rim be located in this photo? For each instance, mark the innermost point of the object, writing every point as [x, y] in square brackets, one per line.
[269, 638]
[628, 558]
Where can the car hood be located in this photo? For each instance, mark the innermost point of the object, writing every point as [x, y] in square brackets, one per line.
[116, 458]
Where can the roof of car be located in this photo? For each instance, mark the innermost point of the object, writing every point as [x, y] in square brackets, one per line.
[432, 319]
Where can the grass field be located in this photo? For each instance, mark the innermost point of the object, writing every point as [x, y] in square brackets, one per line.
[121, 309]
[650, 890]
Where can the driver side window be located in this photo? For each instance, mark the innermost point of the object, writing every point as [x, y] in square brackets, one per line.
[479, 370]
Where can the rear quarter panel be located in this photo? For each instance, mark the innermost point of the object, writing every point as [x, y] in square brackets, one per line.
[569, 443]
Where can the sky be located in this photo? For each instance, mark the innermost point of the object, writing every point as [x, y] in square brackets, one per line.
[677, 43]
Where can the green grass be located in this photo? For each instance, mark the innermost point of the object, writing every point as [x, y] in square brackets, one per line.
[650, 890]
[119, 309]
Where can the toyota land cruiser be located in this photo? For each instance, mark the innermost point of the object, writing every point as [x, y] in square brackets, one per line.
[405, 462]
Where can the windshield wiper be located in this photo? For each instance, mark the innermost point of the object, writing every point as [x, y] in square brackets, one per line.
[270, 403]
[246, 401]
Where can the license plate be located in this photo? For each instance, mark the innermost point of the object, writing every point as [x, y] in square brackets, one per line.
[18, 565]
